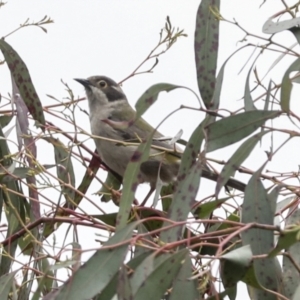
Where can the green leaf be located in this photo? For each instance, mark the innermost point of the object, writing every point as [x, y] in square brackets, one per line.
[291, 276]
[110, 290]
[296, 32]
[237, 159]
[112, 182]
[268, 96]
[15, 203]
[232, 129]
[273, 196]
[248, 101]
[140, 247]
[12, 174]
[23, 81]
[87, 179]
[167, 190]
[183, 201]
[4, 120]
[143, 212]
[296, 295]
[151, 95]
[235, 264]
[250, 279]
[124, 288]
[64, 168]
[206, 48]
[286, 86]
[184, 287]
[271, 27]
[214, 104]
[157, 277]
[220, 296]
[210, 250]
[98, 271]
[186, 175]
[257, 208]
[6, 282]
[205, 209]
[287, 238]
[192, 149]
[47, 282]
[130, 181]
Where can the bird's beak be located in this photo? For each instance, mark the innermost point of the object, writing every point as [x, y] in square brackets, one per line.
[86, 83]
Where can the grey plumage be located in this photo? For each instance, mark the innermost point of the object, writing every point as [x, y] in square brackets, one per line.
[109, 107]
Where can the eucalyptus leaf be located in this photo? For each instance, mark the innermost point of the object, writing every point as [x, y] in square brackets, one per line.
[206, 46]
[237, 159]
[286, 86]
[257, 208]
[23, 81]
[98, 271]
[271, 27]
[232, 129]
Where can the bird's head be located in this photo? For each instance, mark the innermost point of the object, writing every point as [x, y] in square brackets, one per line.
[102, 90]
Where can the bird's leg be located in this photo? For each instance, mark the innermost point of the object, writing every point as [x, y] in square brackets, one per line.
[116, 197]
[152, 189]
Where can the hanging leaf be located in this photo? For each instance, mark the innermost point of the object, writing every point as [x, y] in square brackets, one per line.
[206, 47]
[23, 81]
[232, 129]
[286, 86]
[150, 96]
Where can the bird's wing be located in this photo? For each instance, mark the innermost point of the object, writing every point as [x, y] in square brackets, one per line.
[138, 131]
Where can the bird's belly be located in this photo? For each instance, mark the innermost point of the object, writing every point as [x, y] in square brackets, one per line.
[115, 156]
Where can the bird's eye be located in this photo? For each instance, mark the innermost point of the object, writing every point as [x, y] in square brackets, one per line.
[102, 83]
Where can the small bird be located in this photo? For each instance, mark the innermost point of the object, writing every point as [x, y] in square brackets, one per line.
[109, 108]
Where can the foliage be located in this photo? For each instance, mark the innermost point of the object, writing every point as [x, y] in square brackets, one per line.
[166, 253]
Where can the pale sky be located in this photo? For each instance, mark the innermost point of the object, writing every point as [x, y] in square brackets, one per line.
[112, 38]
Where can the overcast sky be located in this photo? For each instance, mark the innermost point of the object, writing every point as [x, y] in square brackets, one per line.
[112, 38]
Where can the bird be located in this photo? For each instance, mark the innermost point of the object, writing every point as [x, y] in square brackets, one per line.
[109, 109]
[113, 124]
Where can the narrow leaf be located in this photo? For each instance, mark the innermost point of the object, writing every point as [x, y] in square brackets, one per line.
[110, 290]
[151, 95]
[131, 181]
[64, 168]
[4, 120]
[206, 47]
[204, 210]
[184, 287]
[268, 96]
[291, 275]
[124, 288]
[6, 282]
[98, 271]
[256, 208]
[296, 295]
[237, 159]
[183, 201]
[271, 27]
[249, 104]
[286, 86]
[235, 265]
[214, 105]
[162, 276]
[232, 129]
[110, 182]
[23, 81]
[287, 238]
